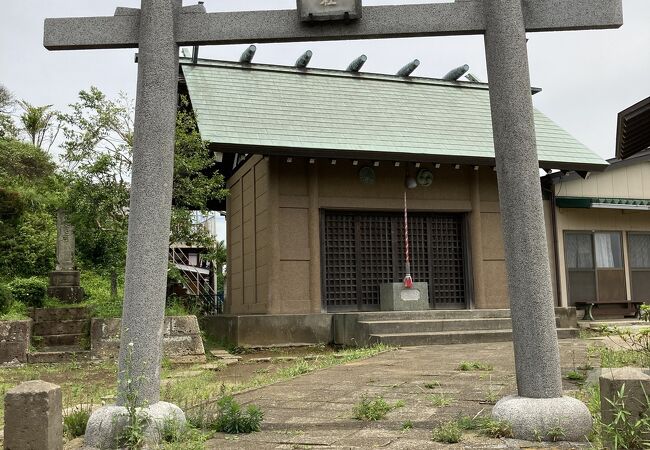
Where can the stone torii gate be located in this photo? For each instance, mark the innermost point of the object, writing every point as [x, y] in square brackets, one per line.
[160, 26]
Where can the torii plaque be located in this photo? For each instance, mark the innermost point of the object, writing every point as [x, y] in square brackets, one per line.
[160, 26]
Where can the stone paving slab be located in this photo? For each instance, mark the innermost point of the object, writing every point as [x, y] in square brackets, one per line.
[316, 410]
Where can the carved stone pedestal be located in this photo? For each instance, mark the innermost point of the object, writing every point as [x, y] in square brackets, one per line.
[64, 285]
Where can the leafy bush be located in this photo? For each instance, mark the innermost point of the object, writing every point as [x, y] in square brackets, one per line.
[6, 298]
[448, 433]
[30, 291]
[231, 419]
[74, 423]
[374, 409]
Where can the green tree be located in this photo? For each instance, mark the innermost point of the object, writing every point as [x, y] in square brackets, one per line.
[8, 129]
[39, 122]
[29, 195]
[97, 148]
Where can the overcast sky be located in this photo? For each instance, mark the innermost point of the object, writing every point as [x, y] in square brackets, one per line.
[587, 77]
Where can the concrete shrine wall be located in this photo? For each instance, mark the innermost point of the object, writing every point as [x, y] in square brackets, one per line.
[249, 239]
[274, 235]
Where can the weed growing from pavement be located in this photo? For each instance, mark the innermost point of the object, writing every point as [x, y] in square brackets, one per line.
[74, 422]
[555, 433]
[468, 366]
[407, 425]
[441, 400]
[133, 435]
[485, 426]
[447, 433]
[232, 419]
[576, 375]
[374, 409]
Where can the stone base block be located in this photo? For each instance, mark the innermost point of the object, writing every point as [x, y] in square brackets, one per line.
[395, 297]
[635, 383]
[546, 419]
[67, 294]
[14, 340]
[182, 341]
[64, 285]
[106, 425]
[33, 417]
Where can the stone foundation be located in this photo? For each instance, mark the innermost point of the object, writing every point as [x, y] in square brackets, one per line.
[182, 340]
[64, 285]
[15, 337]
[270, 330]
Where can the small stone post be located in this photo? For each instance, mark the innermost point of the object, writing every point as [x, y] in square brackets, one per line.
[33, 417]
[539, 405]
[635, 383]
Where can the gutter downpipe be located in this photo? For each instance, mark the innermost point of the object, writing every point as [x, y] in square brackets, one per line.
[556, 257]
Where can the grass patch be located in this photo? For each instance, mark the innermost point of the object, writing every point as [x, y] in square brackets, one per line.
[407, 425]
[16, 311]
[447, 433]
[98, 294]
[207, 385]
[441, 400]
[470, 366]
[576, 375]
[232, 419]
[432, 384]
[74, 423]
[485, 426]
[374, 409]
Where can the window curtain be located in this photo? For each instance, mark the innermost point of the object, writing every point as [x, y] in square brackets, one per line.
[578, 251]
[639, 251]
[608, 250]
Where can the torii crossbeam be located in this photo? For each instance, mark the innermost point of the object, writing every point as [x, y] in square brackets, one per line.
[160, 26]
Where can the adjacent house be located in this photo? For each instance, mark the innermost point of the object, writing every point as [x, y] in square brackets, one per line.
[318, 162]
[602, 221]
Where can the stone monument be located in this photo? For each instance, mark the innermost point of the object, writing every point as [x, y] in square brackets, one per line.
[160, 26]
[64, 281]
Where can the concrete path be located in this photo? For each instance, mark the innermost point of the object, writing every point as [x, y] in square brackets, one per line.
[315, 410]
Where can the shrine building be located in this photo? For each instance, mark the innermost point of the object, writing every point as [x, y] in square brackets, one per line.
[317, 163]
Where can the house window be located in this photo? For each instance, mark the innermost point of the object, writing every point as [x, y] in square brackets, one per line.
[639, 251]
[595, 269]
[608, 250]
[579, 251]
[193, 259]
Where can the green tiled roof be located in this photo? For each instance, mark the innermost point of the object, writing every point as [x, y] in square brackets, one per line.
[387, 116]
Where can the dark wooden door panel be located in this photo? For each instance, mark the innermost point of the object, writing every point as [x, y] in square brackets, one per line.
[582, 286]
[611, 285]
[641, 285]
[363, 250]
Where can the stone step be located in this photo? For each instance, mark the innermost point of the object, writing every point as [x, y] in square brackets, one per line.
[51, 327]
[64, 353]
[54, 314]
[433, 314]
[54, 340]
[435, 325]
[453, 337]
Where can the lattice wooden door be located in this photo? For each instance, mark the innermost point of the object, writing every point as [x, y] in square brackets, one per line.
[362, 250]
